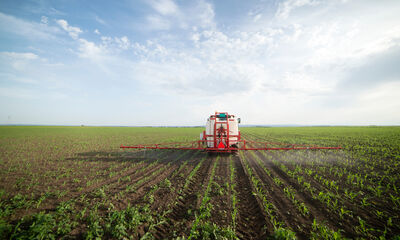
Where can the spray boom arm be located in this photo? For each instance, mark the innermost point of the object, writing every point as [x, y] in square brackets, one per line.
[222, 135]
[244, 145]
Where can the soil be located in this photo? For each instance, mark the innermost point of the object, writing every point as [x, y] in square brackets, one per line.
[251, 223]
[114, 172]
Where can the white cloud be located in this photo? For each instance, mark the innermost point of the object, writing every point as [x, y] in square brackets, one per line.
[241, 62]
[123, 42]
[205, 15]
[115, 44]
[102, 53]
[15, 55]
[294, 63]
[169, 16]
[218, 62]
[26, 75]
[156, 22]
[89, 49]
[288, 6]
[17, 61]
[42, 30]
[72, 31]
[164, 7]
[335, 43]
[284, 66]
[28, 29]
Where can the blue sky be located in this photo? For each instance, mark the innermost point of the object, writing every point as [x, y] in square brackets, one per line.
[165, 62]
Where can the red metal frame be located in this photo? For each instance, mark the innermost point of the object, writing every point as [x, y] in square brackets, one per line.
[222, 132]
[224, 135]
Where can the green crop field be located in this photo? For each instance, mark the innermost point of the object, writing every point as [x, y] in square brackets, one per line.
[75, 183]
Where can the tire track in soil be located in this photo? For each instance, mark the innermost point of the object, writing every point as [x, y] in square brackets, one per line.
[317, 209]
[286, 211]
[221, 200]
[251, 221]
[179, 220]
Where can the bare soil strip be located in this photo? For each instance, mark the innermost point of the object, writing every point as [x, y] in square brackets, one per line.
[251, 222]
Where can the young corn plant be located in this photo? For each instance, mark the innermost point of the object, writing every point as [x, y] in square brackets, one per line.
[321, 231]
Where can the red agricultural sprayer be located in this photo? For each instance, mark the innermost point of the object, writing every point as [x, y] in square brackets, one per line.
[222, 135]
